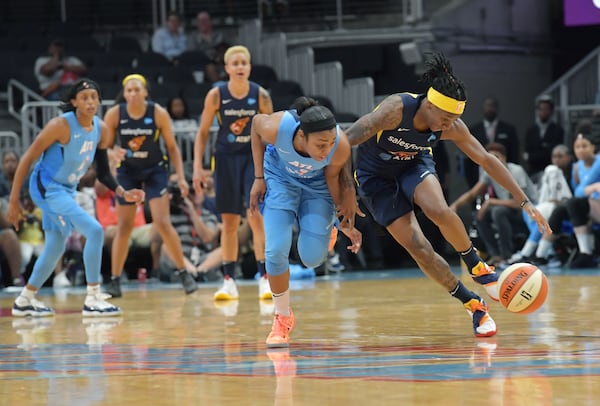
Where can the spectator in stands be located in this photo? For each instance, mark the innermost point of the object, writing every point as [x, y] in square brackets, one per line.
[585, 183]
[198, 230]
[214, 71]
[183, 125]
[554, 190]
[31, 234]
[56, 70]
[10, 250]
[500, 213]
[541, 138]
[209, 197]
[170, 40]
[491, 129]
[10, 160]
[274, 8]
[204, 38]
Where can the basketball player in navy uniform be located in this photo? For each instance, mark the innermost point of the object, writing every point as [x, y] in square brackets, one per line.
[139, 124]
[395, 172]
[234, 103]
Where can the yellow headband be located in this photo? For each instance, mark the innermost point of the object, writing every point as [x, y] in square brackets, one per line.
[134, 76]
[444, 102]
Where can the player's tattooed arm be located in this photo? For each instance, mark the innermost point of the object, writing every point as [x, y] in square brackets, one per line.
[265, 104]
[345, 178]
[386, 116]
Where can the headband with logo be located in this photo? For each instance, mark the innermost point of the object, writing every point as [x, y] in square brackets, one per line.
[445, 103]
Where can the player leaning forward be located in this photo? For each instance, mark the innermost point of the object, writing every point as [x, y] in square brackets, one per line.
[394, 167]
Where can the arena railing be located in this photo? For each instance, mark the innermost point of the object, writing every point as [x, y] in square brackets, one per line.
[9, 140]
[574, 92]
[34, 115]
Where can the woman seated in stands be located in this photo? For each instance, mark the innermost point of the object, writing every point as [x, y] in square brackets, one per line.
[586, 172]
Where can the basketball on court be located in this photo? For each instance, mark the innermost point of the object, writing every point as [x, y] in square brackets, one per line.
[523, 288]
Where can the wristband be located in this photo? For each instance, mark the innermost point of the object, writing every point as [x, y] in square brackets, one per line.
[524, 202]
[259, 177]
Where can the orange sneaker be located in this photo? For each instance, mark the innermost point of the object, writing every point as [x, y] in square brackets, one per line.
[486, 276]
[280, 331]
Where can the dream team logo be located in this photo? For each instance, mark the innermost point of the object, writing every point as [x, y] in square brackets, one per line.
[135, 143]
[237, 128]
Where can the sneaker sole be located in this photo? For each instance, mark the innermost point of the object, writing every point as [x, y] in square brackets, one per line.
[30, 313]
[266, 296]
[278, 345]
[489, 334]
[225, 296]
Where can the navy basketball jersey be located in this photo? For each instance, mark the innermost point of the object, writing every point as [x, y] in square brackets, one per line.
[140, 138]
[66, 164]
[398, 147]
[235, 119]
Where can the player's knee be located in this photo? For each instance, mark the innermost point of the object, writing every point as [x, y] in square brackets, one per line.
[276, 264]
[312, 258]
[440, 214]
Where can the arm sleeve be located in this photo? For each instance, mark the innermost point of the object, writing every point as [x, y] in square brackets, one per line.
[103, 170]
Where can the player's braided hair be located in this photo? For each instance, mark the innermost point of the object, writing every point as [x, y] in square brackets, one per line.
[439, 76]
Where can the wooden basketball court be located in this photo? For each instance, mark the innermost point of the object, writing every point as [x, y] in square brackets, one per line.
[386, 338]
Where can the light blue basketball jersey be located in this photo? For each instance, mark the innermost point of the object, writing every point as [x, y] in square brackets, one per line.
[282, 160]
[66, 164]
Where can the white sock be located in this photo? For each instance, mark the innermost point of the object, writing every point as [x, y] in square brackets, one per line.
[281, 301]
[93, 290]
[584, 243]
[26, 294]
[529, 248]
[543, 249]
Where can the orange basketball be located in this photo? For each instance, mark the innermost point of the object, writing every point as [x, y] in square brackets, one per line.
[523, 288]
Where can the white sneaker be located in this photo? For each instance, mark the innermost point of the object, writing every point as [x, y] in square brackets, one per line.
[264, 288]
[61, 281]
[97, 306]
[334, 264]
[228, 291]
[483, 324]
[30, 307]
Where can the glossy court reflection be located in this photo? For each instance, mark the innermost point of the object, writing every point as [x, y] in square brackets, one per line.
[379, 337]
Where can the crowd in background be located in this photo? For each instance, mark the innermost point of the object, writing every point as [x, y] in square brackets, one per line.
[561, 171]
